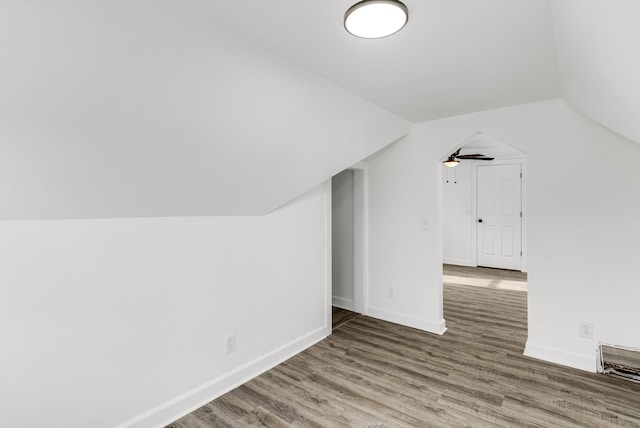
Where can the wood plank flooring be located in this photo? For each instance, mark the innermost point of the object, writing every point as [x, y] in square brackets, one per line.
[371, 373]
[340, 316]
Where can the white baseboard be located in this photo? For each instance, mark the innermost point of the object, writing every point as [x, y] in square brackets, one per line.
[437, 327]
[558, 356]
[183, 404]
[458, 262]
[343, 303]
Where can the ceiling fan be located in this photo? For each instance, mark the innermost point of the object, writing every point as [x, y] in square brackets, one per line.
[455, 157]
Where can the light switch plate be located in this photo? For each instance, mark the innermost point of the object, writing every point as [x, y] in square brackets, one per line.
[424, 222]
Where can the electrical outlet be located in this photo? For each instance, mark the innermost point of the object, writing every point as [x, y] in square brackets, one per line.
[390, 293]
[586, 330]
[230, 343]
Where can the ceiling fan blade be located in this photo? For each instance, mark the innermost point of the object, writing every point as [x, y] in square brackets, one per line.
[487, 158]
[473, 156]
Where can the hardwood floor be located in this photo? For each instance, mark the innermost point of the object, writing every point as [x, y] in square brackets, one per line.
[340, 316]
[371, 373]
[485, 277]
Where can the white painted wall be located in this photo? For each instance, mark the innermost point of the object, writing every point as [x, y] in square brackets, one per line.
[597, 43]
[457, 220]
[583, 225]
[141, 108]
[103, 320]
[402, 255]
[343, 229]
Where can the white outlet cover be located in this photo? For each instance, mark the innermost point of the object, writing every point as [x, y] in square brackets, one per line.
[586, 330]
[230, 343]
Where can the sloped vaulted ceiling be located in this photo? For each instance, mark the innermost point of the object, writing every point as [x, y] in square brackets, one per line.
[115, 108]
[119, 108]
[459, 56]
[453, 57]
[599, 51]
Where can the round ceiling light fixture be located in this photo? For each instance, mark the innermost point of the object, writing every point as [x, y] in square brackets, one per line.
[373, 19]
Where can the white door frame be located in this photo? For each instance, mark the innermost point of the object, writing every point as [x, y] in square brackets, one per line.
[360, 243]
[328, 241]
[474, 200]
[360, 238]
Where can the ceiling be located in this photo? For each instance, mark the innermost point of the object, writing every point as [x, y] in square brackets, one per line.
[597, 43]
[135, 108]
[453, 57]
[488, 145]
[162, 105]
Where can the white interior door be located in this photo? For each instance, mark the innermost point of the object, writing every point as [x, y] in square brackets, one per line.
[499, 216]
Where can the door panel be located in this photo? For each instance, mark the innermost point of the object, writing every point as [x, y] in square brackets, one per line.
[499, 204]
[488, 244]
[507, 241]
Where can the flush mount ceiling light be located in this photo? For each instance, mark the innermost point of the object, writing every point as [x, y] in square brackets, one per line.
[373, 19]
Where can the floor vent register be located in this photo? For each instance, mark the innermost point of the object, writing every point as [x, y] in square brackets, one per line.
[620, 362]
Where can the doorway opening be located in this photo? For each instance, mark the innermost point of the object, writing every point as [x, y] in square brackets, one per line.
[484, 207]
[348, 242]
[484, 229]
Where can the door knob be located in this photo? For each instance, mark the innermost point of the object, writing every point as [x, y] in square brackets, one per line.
[479, 220]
